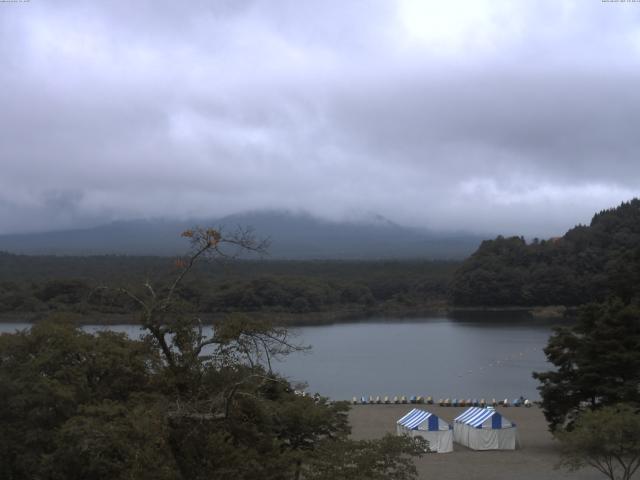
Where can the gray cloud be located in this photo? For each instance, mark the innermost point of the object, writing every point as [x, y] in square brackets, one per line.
[489, 116]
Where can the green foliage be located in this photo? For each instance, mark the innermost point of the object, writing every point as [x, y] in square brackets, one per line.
[597, 363]
[607, 439]
[50, 378]
[586, 264]
[390, 457]
[81, 406]
[113, 440]
[177, 404]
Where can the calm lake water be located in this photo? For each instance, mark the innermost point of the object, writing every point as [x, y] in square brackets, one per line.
[442, 357]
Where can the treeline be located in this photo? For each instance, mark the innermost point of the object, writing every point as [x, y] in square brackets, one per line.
[589, 263]
[75, 284]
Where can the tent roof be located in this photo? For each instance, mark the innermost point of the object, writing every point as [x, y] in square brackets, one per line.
[414, 418]
[475, 416]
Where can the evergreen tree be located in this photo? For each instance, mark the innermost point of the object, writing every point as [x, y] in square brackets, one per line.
[597, 363]
[607, 439]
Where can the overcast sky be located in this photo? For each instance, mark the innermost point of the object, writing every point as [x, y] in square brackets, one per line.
[483, 115]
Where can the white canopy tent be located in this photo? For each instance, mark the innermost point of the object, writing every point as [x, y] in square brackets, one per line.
[485, 429]
[418, 423]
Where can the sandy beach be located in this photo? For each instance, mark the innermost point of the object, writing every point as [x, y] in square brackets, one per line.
[535, 459]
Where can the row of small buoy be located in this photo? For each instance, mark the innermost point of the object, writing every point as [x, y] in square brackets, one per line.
[516, 402]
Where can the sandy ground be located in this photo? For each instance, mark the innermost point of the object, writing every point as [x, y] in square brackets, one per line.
[535, 460]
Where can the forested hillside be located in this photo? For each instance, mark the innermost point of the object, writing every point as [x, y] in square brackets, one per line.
[587, 264]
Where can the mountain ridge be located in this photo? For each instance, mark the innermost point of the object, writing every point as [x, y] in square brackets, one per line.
[292, 236]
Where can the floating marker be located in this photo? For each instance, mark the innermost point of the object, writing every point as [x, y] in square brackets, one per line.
[446, 402]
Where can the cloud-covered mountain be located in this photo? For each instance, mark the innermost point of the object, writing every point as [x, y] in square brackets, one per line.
[483, 115]
[292, 236]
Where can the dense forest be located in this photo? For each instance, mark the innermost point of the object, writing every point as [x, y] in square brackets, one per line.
[589, 263]
[39, 285]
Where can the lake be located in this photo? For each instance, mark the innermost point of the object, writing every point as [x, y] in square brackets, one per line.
[482, 356]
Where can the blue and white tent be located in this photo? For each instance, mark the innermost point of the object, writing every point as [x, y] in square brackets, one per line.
[419, 423]
[485, 429]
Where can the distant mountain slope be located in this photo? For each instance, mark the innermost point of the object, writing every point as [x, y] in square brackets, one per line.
[292, 236]
[587, 264]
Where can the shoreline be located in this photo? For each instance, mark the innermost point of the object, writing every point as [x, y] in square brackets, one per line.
[289, 319]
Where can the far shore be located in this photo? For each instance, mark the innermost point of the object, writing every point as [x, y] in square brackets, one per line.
[290, 319]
